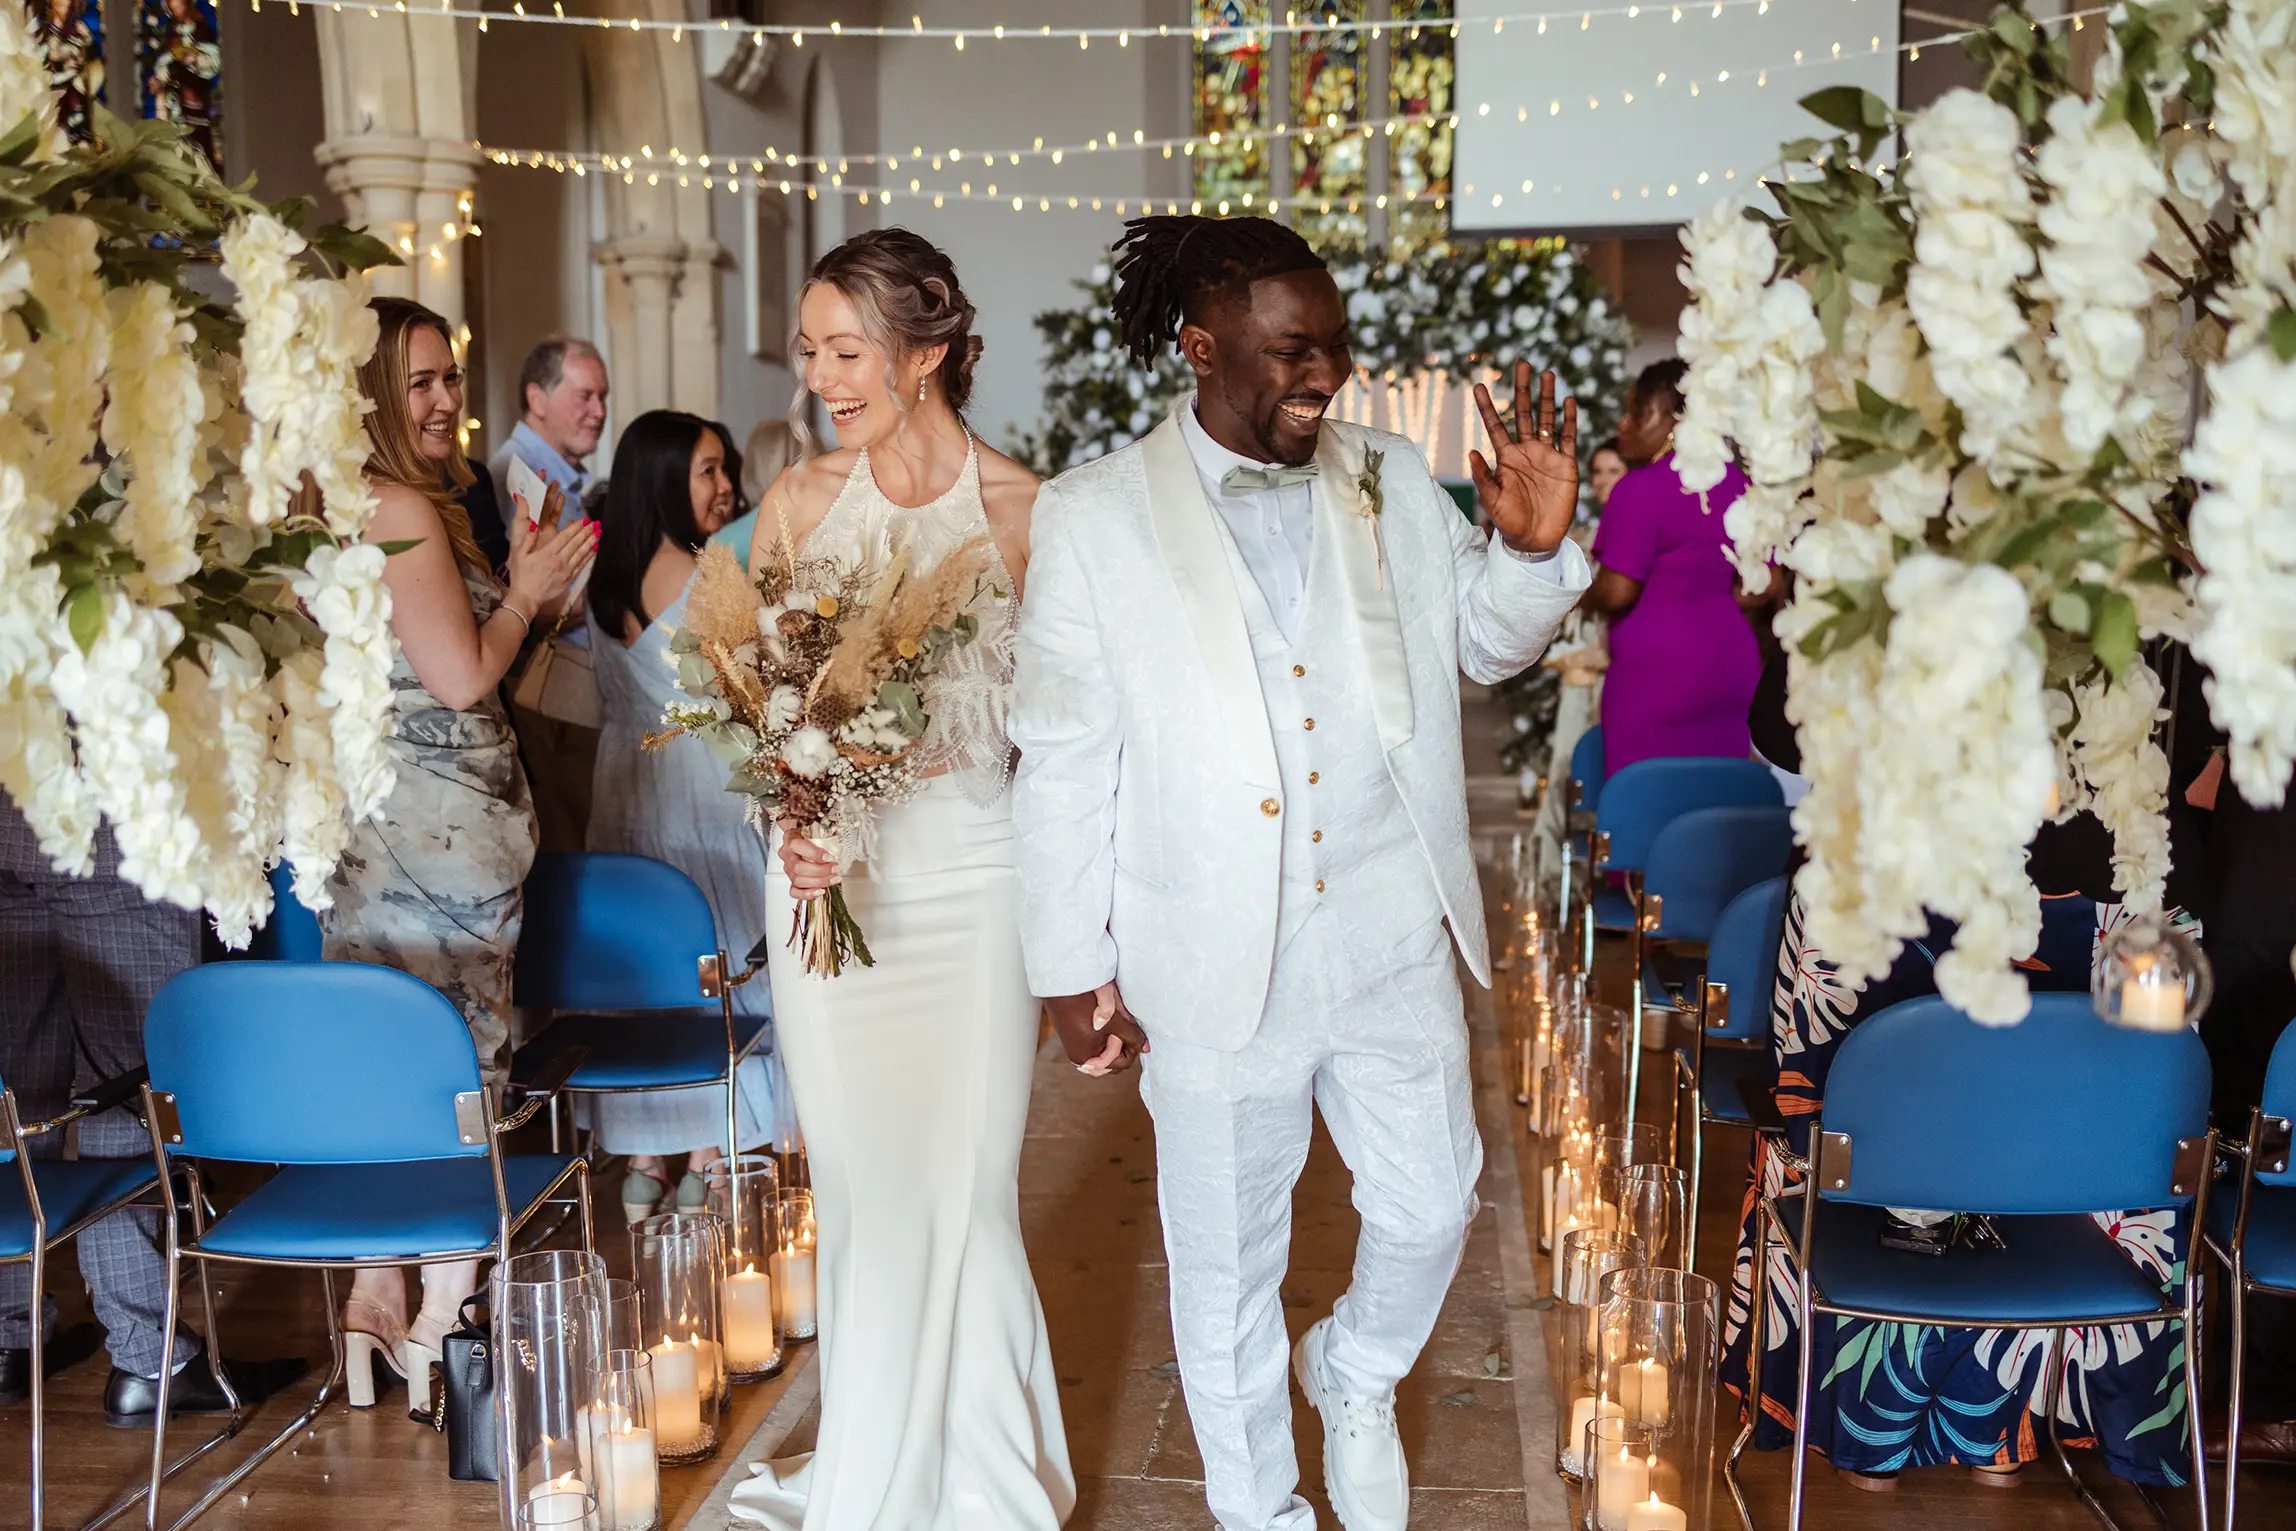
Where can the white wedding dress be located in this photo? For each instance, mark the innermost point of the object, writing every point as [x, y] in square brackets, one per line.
[939, 1407]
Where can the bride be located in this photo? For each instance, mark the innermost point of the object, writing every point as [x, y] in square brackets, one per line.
[939, 1407]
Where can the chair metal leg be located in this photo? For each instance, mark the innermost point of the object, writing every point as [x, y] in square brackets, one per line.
[2059, 1361]
[1756, 1306]
[1634, 998]
[2236, 1287]
[1802, 1396]
[2194, 1290]
[269, 1448]
[557, 1124]
[1697, 1178]
[166, 1367]
[39, 1369]
[589, 1228]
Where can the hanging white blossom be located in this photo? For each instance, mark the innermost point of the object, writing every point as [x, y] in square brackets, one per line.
[344, 592]
[153, 418]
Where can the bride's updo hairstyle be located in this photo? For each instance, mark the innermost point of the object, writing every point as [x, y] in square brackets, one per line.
[906, 291]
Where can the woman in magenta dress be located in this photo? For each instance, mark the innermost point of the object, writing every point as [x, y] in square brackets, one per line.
[1683, 658]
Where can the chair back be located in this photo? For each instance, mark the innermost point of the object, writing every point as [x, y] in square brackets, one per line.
[2059, 1113]
[1587, 768]
[311, 1063]
[1743, 953]
[292, 932]
[2280, 1098]
[1648, 795]
[611, 932]
[1707, 857]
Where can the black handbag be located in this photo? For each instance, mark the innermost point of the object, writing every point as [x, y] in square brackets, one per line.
[464, 1400]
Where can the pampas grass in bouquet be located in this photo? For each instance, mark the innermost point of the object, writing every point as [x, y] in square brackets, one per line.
[810, 682]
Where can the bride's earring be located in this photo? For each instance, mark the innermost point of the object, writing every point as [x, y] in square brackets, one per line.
[920, 390]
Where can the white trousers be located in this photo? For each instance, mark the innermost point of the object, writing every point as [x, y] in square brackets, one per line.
[1377, 1039]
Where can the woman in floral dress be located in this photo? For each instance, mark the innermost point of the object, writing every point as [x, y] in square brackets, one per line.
[1888, 1396]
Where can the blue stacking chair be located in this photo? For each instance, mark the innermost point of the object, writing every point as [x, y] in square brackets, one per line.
[1730, 1049]
[1584, 792]
[2037, 1125]
[1638, 803]
[361, 1082]
[2254, 1232]
[44, 1203]
[609, 935]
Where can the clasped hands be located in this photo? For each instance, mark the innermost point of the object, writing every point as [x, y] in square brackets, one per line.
[1099, 1034]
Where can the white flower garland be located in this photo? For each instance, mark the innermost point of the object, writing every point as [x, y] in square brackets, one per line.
[153, 418]
[2104, 184]
[56, 384]
[1969, 253]
[2122, 776]
[343, 590]
[36, 766]
[314, 825]
[300, 355]
[25, 89]
[127, 752]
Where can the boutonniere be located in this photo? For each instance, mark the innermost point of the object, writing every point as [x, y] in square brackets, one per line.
[1373, 502]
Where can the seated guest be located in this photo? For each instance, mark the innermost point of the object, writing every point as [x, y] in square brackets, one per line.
[432, 887]
[669, 492]
[1889, 1396]
[1683, 662]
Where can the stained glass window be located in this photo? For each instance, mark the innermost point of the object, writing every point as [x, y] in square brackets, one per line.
[1419, 85]
[1322, 175]
[1231, 75]
[182, 67]
[1329, 82]
[72, 35]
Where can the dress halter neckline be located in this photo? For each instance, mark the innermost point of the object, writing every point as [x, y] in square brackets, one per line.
[861, 474]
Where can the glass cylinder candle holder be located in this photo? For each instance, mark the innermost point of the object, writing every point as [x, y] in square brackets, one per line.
[746, 1192]
[1660, 1337]
[1587, 1257]
[793, 1266]
[621, 1433]
[549, 1346]
[624, 1322]
[681, 1277]
[1620, 1494]
[2150, 976]
[1653, 1206]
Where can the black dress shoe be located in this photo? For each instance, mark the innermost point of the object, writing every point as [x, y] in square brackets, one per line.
[65, 1350]
[129, 1400]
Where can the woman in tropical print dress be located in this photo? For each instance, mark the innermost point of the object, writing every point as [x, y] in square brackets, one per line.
[1888, 1396]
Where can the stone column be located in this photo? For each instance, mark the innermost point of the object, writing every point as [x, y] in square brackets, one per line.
[642, 276]
[411, 193]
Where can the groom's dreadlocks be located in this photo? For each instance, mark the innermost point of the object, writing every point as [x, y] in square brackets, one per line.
[1169, 269]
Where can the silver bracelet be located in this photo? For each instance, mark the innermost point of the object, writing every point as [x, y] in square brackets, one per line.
[523, 620]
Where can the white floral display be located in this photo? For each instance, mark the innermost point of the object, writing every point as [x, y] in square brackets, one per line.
[202, 667]
[2001, 496]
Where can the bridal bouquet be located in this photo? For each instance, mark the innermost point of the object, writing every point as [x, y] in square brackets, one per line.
[808, 682]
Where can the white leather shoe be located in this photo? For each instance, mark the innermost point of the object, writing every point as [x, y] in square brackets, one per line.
[1363, 1468]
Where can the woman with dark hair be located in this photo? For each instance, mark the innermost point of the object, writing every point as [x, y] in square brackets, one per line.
[1683, 657]
[670, 491]
[432, 886]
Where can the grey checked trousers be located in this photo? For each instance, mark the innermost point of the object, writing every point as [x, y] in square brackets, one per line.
[80, 959]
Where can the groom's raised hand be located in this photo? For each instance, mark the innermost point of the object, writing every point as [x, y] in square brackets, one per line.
[1097, 1032]
[1529, 485]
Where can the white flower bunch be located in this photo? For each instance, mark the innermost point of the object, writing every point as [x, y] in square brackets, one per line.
[304, 340]
[1969, 253]
[115, 694]
[2104, 185]
[1750, 342]
[2121, 775]
[37, 769]
[56, 383]
[153, 418]
[219, 714]
[25, 89]
[315, 822]
[343, 590]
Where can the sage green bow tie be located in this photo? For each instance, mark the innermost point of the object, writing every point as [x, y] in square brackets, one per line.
[1249, 480]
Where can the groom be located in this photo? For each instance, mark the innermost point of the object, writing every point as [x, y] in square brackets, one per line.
[1242, 826]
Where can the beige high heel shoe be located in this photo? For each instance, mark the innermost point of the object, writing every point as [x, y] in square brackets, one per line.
[371, 1334]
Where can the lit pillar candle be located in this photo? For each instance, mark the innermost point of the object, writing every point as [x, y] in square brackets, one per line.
[748, 1313]
[1655, 1514]
[793, 1284]
[1620, 1484]
[2152, 1006]
[561, 1501]
[1584, 1412]
[633, 1485]
[1547, 1206]
[709, 1364]
[677, 1396]
[1644, 1390]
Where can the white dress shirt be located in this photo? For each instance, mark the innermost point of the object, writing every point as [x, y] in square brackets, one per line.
[1274, 529]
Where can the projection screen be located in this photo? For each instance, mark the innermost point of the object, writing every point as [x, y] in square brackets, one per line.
[1599, 121]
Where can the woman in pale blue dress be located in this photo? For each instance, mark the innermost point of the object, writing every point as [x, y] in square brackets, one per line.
[669, 492]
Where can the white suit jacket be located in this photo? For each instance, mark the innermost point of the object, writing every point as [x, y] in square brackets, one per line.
[1147, 807]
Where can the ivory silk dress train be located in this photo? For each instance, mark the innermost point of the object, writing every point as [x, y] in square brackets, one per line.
[939, 1407]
